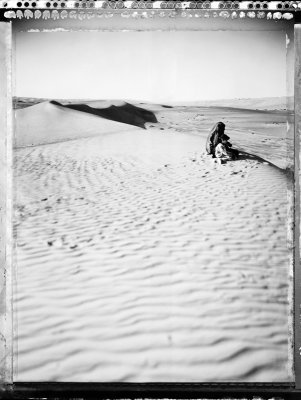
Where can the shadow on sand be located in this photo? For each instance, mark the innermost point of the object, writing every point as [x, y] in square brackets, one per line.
[165, 106]
[126, 113]
[247, 156]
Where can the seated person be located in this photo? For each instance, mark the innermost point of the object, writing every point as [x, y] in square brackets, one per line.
[214, 138]
[223, 150]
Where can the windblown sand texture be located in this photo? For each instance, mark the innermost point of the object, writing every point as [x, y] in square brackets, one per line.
[138, 259]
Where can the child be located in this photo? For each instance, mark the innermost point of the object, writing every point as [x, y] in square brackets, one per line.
[223, 151]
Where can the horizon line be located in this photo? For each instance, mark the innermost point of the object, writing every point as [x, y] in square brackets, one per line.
[150, 101]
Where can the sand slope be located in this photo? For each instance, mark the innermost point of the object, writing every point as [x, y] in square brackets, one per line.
[139, 260]
[48, 123]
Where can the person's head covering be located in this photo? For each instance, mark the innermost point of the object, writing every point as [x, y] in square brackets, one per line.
[218, 128]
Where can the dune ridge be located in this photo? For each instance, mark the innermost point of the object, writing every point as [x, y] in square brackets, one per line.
[284, 103]
[50, 122]
[122, 112]
[264, 103]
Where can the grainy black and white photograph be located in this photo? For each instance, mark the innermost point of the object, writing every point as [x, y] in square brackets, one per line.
[152, 172]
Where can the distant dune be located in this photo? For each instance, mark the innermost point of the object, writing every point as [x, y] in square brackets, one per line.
[122, 112]
[50, 122]
[265, 103]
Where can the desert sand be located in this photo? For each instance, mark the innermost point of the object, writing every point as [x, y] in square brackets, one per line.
[139, 259]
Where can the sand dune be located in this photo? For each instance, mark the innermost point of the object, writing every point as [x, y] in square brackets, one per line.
[159, 268]
[48, 123]
[139, 259]
[265, 103]
[259, 133]
[122, 112]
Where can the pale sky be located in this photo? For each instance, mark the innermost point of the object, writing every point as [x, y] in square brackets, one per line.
[151, 66]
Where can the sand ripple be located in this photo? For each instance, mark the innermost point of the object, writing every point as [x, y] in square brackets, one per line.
[134, 270]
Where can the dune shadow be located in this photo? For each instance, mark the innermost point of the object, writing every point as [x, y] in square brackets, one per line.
[126, 113]
[165, 106]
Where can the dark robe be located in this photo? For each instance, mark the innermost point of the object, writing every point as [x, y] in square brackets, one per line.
[214, 138]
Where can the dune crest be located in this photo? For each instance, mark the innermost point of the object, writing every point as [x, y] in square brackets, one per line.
[51, 122]
[117, 111]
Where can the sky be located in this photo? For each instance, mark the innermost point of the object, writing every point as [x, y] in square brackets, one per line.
[158, 66]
